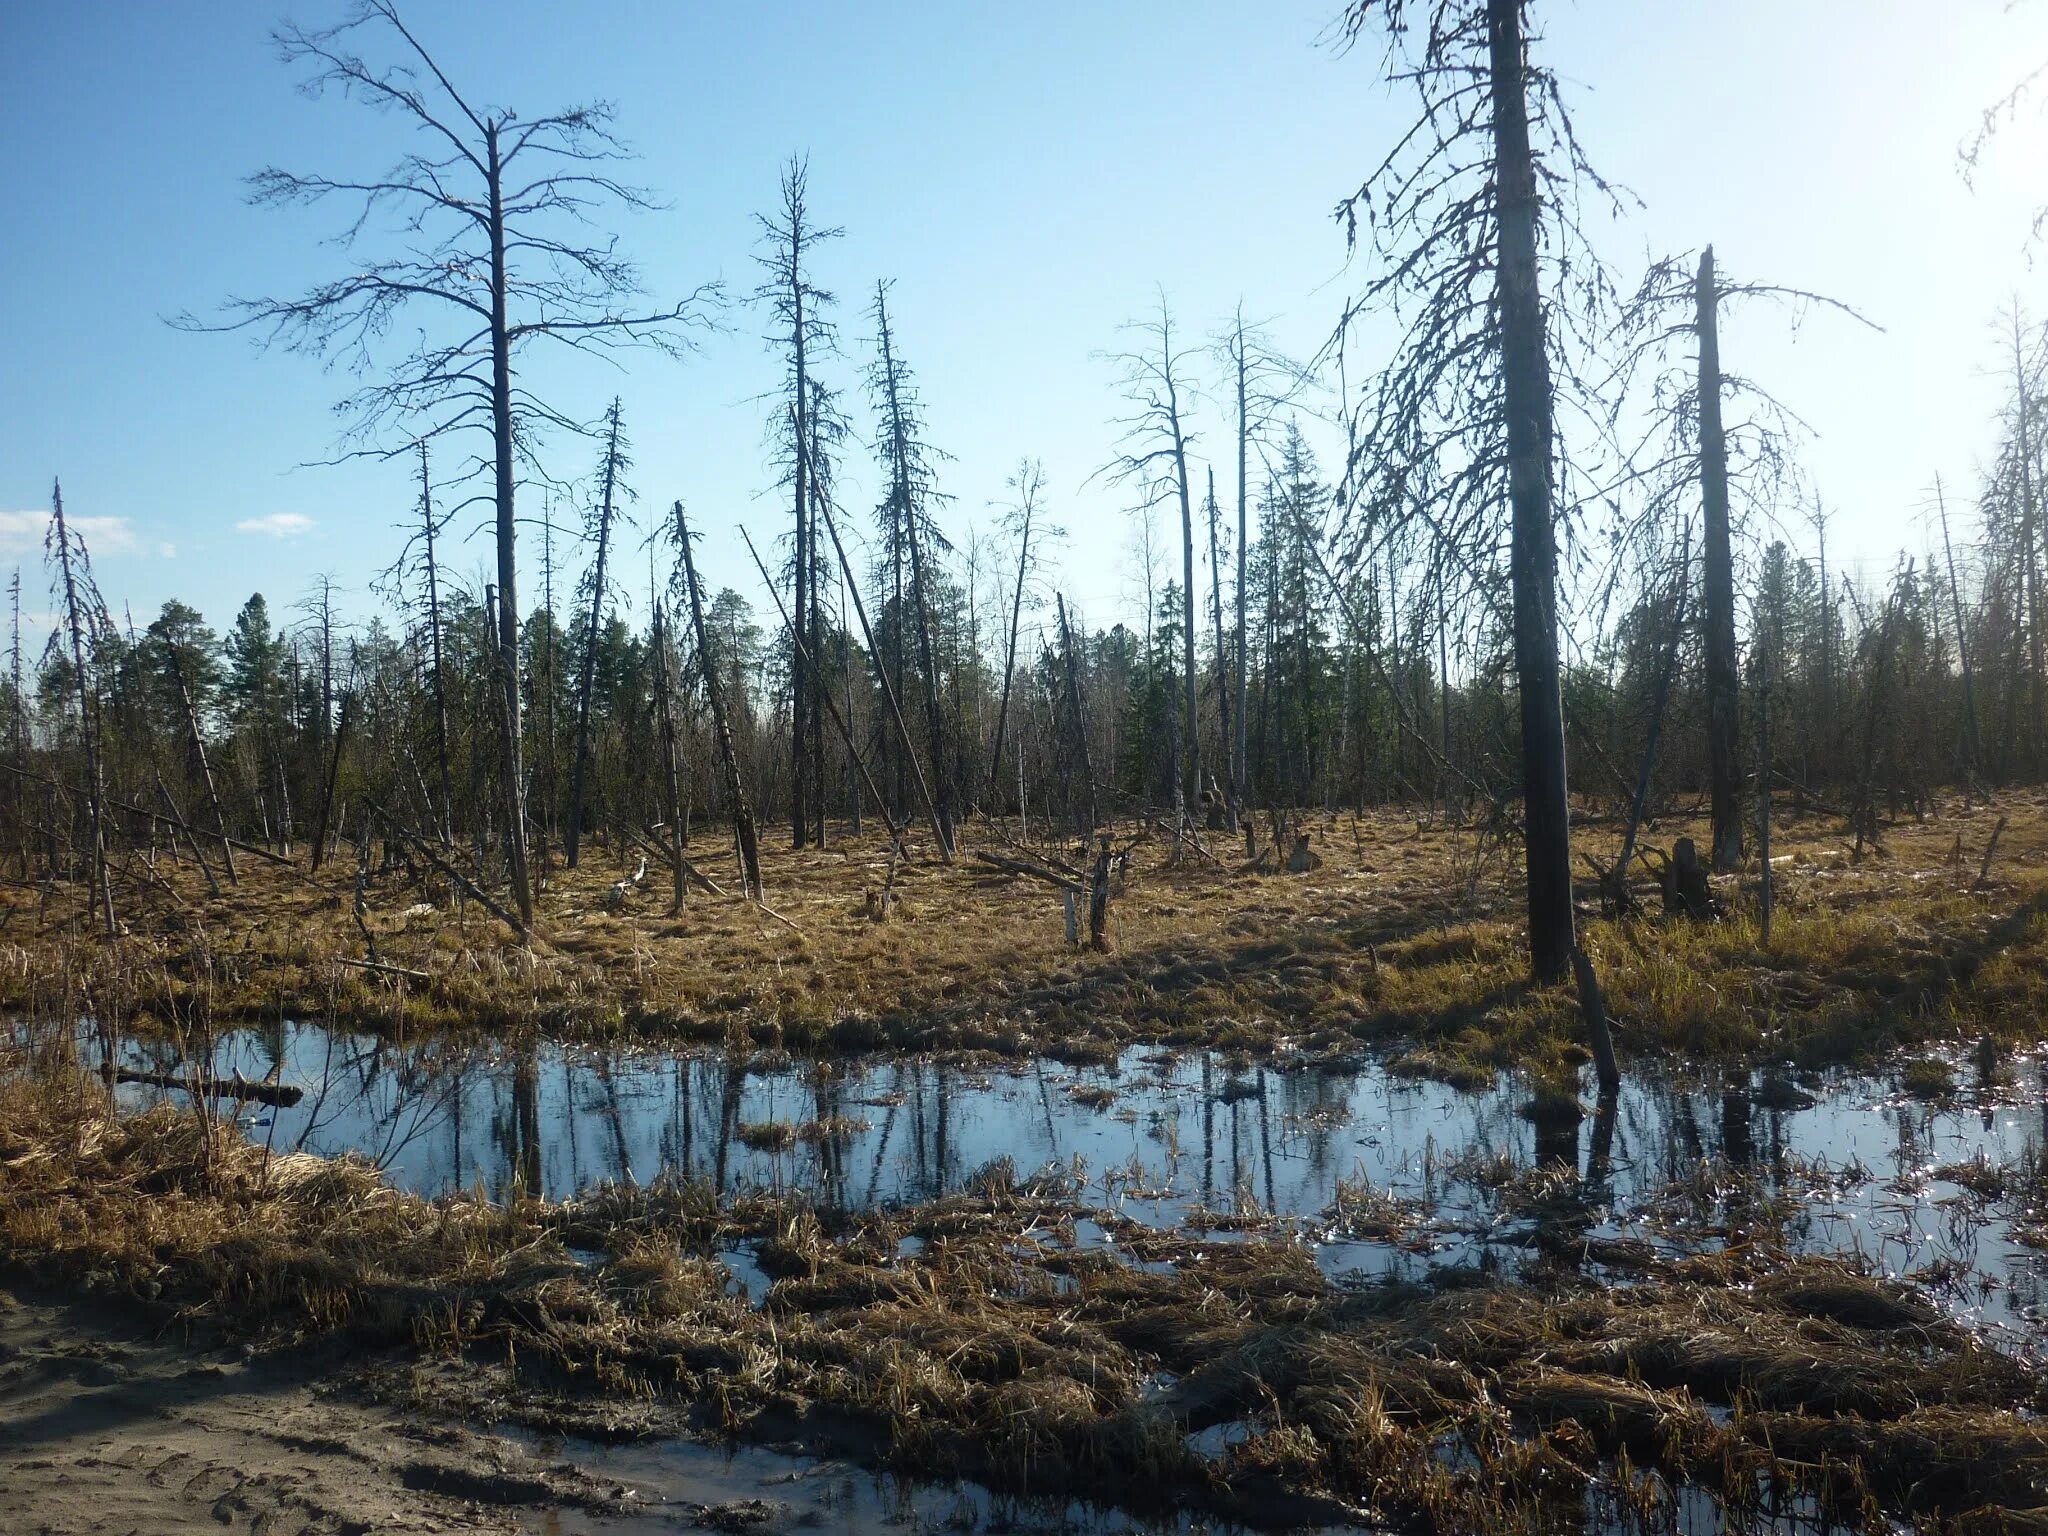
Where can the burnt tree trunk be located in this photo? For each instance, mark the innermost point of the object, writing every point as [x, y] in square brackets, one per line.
[1717, 580]
[742, 814]
[512, 754]
[587, 681]
[1526, 386]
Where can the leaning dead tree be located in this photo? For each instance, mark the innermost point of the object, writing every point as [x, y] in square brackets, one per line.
[598, 530]
[744, 834]
[1478, 258]
[482, 238]
[83, 621]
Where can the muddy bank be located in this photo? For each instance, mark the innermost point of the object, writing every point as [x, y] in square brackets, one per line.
[108, 1425]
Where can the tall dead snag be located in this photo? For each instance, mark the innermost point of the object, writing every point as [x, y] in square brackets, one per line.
[1464, 228]
[889, 695]
[2023, 470]
[671, 763]
[1692, 446]
[490, 222]
[1154, 377]
[1724, 710]
[333, 778]
[1261, 384]
[1526, 396]
[1973, 748]
[439, 678]
[1214, 514]
[1077, 722]
[798, 308]
[736, 789]
[1029, 484]
[907, 517]
[82, 623]
[598, 528]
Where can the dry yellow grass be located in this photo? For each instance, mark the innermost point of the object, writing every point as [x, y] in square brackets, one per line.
[1407, 934]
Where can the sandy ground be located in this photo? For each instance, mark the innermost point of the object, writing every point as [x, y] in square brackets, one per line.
[107, 1430]
[104, 1429]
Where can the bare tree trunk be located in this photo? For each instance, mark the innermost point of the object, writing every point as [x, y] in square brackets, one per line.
[434, 648]
[1717, 580]
[1076, 720]
[1222, 652]
[220, 820]
[995, 765]
[839, 721]
[1190, 747]
[1525, 377]
[742, 815]
[514, 788]
[1240, 779]
[326, 816]
[586, 682]
[1972, 750]
[2029, 532]
[102, 891]
[860, 612]
[671, 765]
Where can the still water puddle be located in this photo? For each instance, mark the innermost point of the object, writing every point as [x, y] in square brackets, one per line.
[1382, 1176]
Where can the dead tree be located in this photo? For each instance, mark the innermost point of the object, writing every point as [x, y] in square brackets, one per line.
[611, 477]
[1261, 384]
[1077, 721]
[438, 677]
[907, 459]
[742, 814]
[81, 609]
[489, 217]
[1223, 700]
[797, 307]
[1464, 231]
[1028, 482]
[1154, 377]
[889, 695]
[197, 741]
[1973, 752]
[1691, 446]
[671, 762]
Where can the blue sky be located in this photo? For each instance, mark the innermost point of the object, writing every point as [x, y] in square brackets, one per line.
[1027, 175]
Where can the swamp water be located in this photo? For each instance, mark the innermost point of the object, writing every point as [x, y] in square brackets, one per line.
[1377, 1175]
[1382, 1176]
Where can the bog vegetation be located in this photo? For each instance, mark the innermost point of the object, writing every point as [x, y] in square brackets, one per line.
[1310, 799]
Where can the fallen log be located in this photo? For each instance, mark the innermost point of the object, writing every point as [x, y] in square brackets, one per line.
[469, 886]
[654, 843]
[1026, 867]
[142, 810]
[283, 1095]
[380, 966]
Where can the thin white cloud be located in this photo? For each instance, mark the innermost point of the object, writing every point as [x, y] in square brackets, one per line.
[21, 533]
[277, 525]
